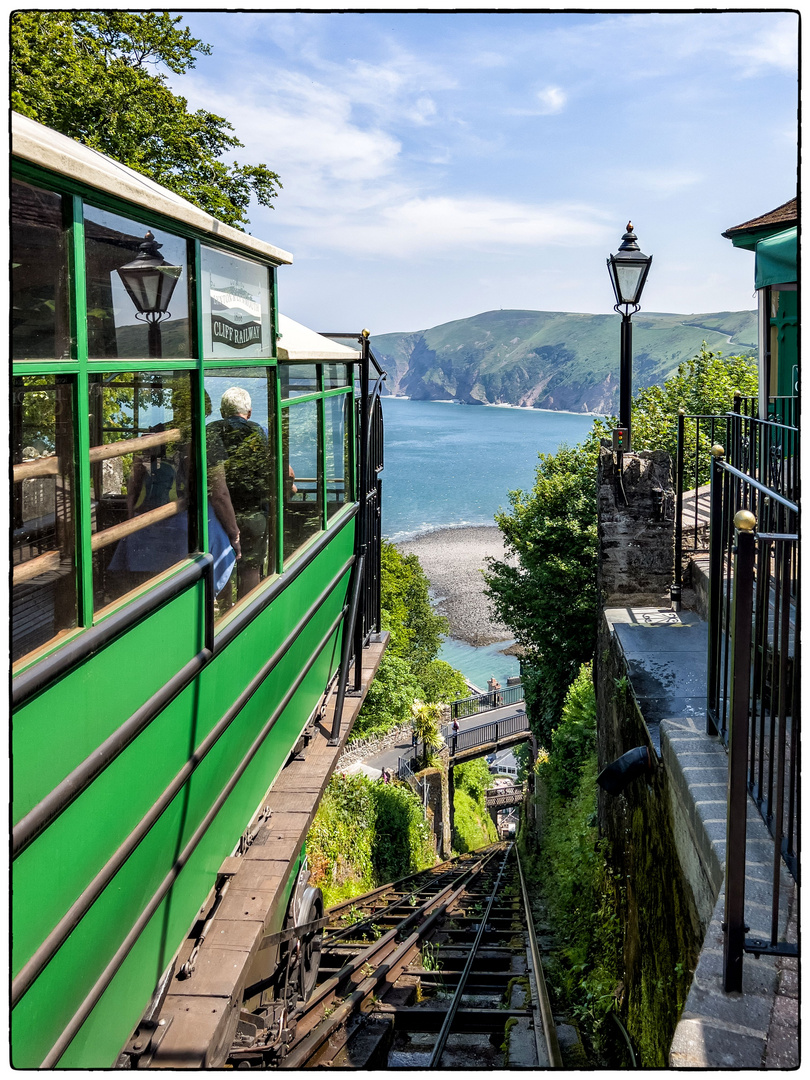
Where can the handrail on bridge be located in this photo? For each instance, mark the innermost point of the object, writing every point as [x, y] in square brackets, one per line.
[493, 699]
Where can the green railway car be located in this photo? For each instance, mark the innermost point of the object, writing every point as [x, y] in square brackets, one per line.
[195, 530]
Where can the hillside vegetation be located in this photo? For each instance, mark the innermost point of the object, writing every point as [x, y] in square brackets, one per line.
[410, 668]
[551, 359]
[366, 833]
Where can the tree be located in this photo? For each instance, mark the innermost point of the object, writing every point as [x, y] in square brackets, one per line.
[703, 386]
[416, 630]
[92, 75]
[441, 682]
[426, 718]
[389, 698]
[548, 598]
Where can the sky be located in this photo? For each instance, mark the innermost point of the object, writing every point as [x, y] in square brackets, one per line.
[437, 165]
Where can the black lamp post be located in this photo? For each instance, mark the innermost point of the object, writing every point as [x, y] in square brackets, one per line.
[150, 282]
[628, 270]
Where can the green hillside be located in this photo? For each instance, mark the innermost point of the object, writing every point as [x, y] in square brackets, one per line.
[551, 359]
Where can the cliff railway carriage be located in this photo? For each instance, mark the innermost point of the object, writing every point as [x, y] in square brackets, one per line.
[195, 617]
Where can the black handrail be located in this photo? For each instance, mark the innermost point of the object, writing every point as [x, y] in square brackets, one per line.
[493, 699]
[753, 690]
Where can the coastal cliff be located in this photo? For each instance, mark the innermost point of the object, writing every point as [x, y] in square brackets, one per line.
[550, 359]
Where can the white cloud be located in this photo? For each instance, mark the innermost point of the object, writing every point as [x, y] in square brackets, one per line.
[552, 100]
[660, 182]
[445, 225]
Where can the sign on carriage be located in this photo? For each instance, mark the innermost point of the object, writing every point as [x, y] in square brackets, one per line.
[235, 318]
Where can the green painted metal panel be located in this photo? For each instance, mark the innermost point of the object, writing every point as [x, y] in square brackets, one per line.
[46, 1008]
[776, 259]
[64, 724]
[79, 842]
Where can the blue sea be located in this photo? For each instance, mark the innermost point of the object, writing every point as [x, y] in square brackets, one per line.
[449, 465]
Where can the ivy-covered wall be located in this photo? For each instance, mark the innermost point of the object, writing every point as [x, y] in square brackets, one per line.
[662, 933]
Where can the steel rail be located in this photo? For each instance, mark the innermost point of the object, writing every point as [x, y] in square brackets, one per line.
[763, 489]
[549, 1027]
[434, 909]
[444, 1033]
[91, 999]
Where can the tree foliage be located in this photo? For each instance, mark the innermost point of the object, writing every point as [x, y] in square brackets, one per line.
[441, 682]
[410, 669]
[704, 386]
[417, 631]
[93, 75]
[547, 593]
[389, 698]
[547, 596]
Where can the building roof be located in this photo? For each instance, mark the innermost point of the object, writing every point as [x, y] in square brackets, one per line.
[297, 342]
[51, 150]
[783, 217]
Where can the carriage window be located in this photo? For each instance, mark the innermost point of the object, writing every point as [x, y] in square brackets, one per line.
[237, 310]
[43, 570]
[301, 471]
[240, 444]
[141, 478]
[137, 289]
[39, 310]
[335, 376]
[298, 379]
[337, 466]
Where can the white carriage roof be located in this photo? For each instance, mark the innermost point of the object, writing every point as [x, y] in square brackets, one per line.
[297, 342]
[50, 149]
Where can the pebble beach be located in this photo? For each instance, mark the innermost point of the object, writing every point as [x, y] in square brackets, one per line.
[453, 560]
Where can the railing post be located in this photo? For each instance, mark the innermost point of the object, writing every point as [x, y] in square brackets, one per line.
[675, 590]
[715, 590]
[734, 926]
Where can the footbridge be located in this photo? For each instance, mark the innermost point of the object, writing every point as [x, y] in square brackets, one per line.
[500, 798]
[473, 742]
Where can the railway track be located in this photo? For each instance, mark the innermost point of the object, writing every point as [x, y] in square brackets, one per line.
[437, 970]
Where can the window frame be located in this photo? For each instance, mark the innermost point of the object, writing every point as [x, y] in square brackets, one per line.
[79, 366]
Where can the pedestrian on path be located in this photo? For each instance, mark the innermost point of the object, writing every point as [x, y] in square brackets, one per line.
[455, 733]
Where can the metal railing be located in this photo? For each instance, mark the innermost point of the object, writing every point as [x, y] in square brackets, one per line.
[766, 450]
[484, 734]
[696, 434]
[495, 699]
[753, 669]
[454, 743]
[505, 796]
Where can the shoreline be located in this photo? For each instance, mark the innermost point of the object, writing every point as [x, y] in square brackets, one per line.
[453, 559]
[490, 405]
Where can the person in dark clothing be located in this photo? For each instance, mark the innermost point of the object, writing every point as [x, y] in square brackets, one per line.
[247, 470]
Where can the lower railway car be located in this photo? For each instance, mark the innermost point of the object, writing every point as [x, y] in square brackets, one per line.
[195, 535]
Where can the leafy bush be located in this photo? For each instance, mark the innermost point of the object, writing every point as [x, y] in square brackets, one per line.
[569, 870]
[473, 826]
[365, 834]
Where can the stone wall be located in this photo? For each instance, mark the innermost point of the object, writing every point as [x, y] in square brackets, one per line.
[662, 927]
[636, 539]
